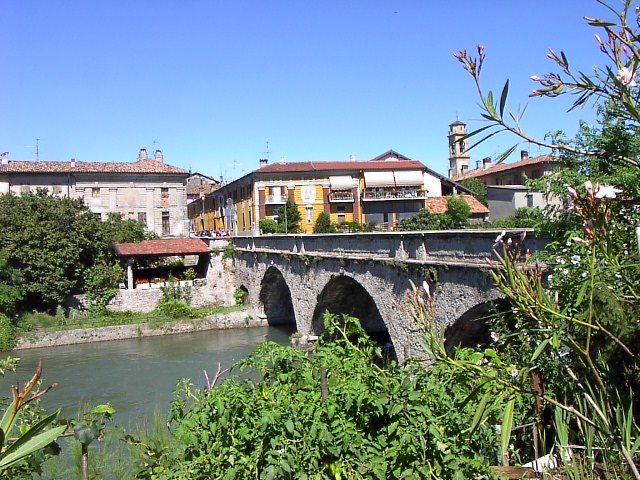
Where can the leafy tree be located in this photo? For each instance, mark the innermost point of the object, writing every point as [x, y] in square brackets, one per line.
[458, 212]
[478, 188]
[11, 286]
[425, 219]
[50, 240]
[323, 224]
[289, 218]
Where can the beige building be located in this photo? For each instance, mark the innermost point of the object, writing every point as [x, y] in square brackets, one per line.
[146, 190]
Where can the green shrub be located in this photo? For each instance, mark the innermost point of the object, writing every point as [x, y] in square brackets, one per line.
[282, 422]
[268, 225]
[7, 334]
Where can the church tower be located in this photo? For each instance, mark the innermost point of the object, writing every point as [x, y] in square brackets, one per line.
[458, 150]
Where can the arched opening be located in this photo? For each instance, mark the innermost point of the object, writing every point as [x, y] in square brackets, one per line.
[242, 295]
[275, 297]
[472, 328]
[344, 295]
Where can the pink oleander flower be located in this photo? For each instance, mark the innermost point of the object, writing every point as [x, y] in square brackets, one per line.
[589, 187]
[607, 191]
[578, 240]
[427, 290]
[480, 48]
[536, 78]
[572, 191]
[625, 77]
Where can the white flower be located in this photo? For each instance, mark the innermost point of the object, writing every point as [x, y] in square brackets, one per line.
[575, 259]
[494, 336]
[607, 191]
[625, 77]
[514, 372]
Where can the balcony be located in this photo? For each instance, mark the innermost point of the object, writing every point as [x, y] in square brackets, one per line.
[275, 199]
[336, 196]
[370, 194]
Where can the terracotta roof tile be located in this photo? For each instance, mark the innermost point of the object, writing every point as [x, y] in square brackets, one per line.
[502, 167]
[140, 166]
[439, 204]
[168, 246]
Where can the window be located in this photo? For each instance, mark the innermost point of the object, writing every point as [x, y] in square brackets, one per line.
[25, 188]
[309, 213]
[166, 225]
[95, 192]
[56, 189]
[142, 219]
[341, 215]
[164, 196]
[529, 200]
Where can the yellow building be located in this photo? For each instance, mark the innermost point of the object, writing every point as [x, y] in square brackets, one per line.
[384, 190]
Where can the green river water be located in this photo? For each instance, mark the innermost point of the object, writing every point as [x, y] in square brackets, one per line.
[135, 375]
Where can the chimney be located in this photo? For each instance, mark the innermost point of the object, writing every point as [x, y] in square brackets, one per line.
[4, 158]
[478, 164]
[157, 155]
[486, 162]
[524, 155]
[143, 154]
[352, 158]
[263, 162]
[73, 163]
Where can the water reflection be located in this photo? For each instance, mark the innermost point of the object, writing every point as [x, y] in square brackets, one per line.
[135, 375]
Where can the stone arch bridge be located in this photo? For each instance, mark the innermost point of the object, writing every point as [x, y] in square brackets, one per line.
[293, 279]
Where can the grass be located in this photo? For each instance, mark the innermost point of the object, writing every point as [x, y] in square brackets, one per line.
[32, 322]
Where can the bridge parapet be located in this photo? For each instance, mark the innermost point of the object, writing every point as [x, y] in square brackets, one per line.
[443, 246]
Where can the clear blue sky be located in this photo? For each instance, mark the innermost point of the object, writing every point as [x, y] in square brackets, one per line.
[212, 81]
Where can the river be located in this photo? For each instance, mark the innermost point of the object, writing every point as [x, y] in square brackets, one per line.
[135, 375]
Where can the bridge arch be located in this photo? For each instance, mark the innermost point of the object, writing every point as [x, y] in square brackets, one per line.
[275, 298]
[472, 328]
[343, 294]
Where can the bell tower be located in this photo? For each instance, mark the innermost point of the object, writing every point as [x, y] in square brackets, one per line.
[458, 149]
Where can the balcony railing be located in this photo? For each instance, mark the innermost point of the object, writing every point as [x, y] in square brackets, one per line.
[341, 196]
[279, 198]
[404, 194]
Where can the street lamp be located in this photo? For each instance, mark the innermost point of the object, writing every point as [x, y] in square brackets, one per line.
[202, 210]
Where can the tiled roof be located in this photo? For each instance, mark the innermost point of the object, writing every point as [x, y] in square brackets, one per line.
[315, 166]
[502, 167]
[169, 246]
[140, 166]
[439, 204]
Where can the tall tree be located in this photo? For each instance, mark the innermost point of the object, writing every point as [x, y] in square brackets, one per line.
[289, 217]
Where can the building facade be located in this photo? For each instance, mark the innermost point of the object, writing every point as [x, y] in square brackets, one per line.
[384, 190]
[146, 190]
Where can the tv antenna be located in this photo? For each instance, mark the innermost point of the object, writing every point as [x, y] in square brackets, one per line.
[37, 147]
[267, 151]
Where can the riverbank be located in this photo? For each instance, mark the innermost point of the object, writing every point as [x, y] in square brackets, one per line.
[218, 321]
